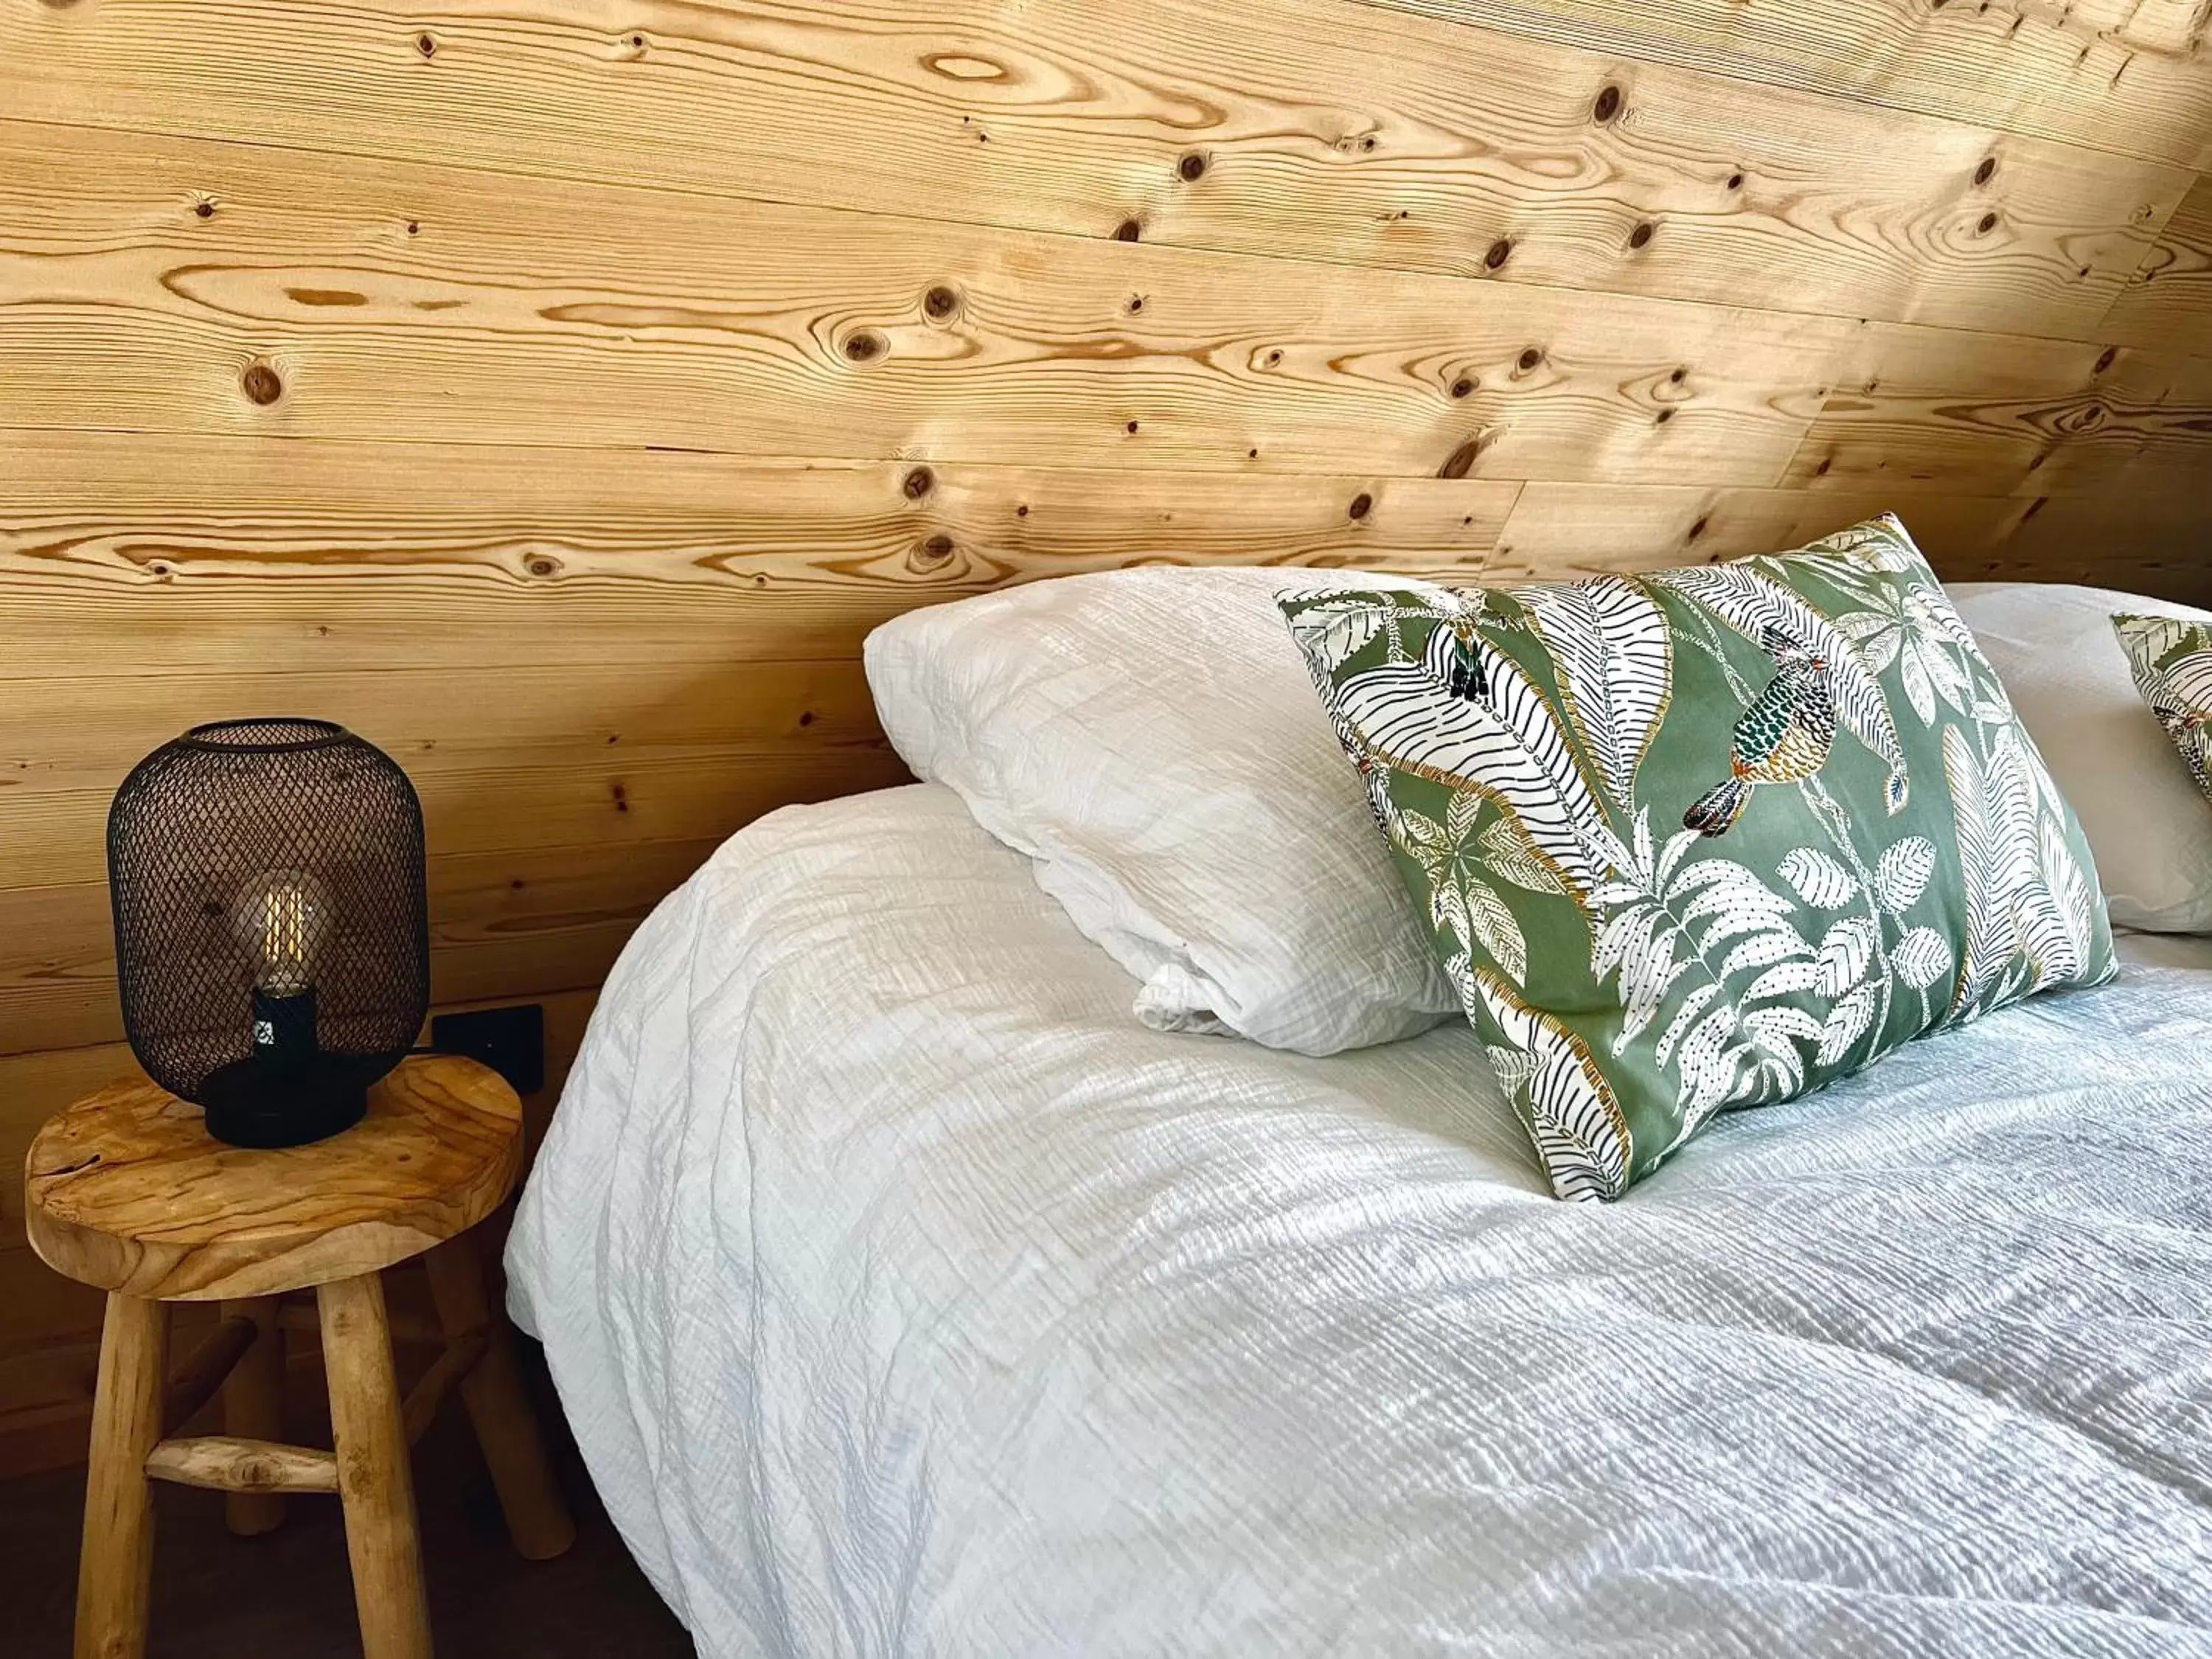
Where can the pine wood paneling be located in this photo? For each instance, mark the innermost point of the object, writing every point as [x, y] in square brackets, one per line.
[1921, 411]
[2138, 544]
[1594, 529]
[194, 553]
[698, 320]
[2167, 303]
[2127, 76]
[1462, 150]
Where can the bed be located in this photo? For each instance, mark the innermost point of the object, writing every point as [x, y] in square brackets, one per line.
[906, 1297]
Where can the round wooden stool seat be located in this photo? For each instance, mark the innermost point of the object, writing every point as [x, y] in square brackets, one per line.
[127, 1191]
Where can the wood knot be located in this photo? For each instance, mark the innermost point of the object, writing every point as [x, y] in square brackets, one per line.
[1461, 461]
[1131, 427]
[938, 547]
[1530, 358]
[1500, 252]
[1821, 471]
[940, 302]
[1362, 505]
[1127, 230]
[426, 45]
[621, 799]
[1665, 415]
[1641, 236]
[204, 209]
[1461, 387]
[1273, 358]
[542, 566]
[1192, 168]
[1607, 105]
[1678, 376]
[1988, 224]
[1735, 181]
[261, 383]
[919, 482]
[2111, 356]
[865, 345]
[1987, 171]
[1698, 529]
[413, 228]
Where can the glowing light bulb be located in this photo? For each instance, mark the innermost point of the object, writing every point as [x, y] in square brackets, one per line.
[283, 918]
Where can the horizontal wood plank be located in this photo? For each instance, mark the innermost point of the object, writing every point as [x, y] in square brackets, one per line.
[807, 333]
[2150, 544]
[607, 801]
[2167, 303]
[1558, 529]
[76, 732]
[43, 1308]
[2138, 542]
[180, 554]
[510, 925]
[1932, 410]
[1468, 151]
[2122, 75]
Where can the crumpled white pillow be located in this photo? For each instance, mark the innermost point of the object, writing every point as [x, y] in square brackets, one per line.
[1149, 739]
[2150, 830]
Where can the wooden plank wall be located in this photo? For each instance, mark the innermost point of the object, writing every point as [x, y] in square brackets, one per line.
[556, 392]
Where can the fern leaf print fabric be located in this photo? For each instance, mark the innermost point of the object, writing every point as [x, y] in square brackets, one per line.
[1705, 839]
[2172, 662]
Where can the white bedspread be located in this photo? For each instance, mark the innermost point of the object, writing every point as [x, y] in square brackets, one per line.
[908, 1297]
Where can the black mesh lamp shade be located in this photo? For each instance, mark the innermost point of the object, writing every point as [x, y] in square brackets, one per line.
[271, 935]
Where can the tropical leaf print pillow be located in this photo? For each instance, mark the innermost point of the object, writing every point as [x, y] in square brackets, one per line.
[1705, 838]
[2172, 664]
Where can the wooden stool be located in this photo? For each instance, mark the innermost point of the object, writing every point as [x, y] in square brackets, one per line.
[127, 1191]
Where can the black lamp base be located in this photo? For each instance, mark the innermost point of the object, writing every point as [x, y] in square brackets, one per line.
[250, 1102]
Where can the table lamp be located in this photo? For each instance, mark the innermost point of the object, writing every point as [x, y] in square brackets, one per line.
[271, 928]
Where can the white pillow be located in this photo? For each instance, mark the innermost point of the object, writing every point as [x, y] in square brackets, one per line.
[1150, 737]
[2149, 828]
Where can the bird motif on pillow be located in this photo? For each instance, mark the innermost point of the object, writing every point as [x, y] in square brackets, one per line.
[1784, 736]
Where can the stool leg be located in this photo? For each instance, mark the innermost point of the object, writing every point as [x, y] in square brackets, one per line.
[375, 1483]
[116, 1571]
[253, 1409]
[536, 1517]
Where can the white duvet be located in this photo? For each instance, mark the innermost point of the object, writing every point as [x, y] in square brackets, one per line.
[906, 1297]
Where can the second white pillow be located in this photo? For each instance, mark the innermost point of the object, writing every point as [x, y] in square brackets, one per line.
[2053, 647]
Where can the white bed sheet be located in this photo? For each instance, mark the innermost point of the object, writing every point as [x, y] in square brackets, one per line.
[907, 1297]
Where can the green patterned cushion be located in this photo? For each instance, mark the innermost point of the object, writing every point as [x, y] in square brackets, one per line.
[2172, 664]
[1705, 838]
